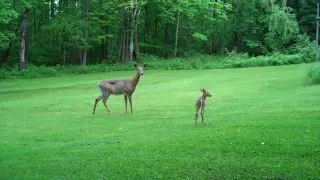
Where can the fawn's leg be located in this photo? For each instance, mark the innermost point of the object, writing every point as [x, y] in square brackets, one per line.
[130, 101]
[95, 104]
[202, 115]
[126, 101]
[105, 103]
[197, 110]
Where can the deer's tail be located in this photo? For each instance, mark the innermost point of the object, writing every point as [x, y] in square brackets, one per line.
[99, 88]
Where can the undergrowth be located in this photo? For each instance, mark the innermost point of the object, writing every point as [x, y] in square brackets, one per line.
[156, 63]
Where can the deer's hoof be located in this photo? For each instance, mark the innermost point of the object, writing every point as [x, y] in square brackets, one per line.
[125, 114]
[110, 113]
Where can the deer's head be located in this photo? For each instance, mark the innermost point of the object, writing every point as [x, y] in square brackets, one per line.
[205, 93]
[140, 68]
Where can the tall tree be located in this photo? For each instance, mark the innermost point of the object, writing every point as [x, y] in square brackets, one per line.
[129, 35]
[177, 35]
[84, 58]
[23, 39]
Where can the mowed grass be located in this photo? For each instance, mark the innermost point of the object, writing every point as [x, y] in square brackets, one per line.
[262, 123]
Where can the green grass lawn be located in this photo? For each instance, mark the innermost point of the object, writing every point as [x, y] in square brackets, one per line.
[262, 123]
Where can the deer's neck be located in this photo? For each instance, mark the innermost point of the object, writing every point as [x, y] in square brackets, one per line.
[136, 79]
[204, 97]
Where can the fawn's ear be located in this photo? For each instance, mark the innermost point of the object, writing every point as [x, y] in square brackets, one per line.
[145, 65]
[201, 89]
[135, 65]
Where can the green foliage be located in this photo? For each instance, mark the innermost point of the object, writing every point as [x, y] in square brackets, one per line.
[313, 76]
[7, 15]
[303, 45]
[61, 32]
[200, 36]
[282, 28]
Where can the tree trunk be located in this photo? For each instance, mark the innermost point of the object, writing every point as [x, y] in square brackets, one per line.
[129, 34]
[177, 35]
[214, 41]
[213, 45]
[125, 37]
[103, 45]
[23, 39]
[121, 45]
[63, 58]
[188, 38]
[52, 9]
[80, 56]
[284, 3]
[127, 50]
[317, 34]
[34, 25]
[26, 54]
[235, 40]
[106, 47]
[102, 51]
[155, 34]
[146, 26]
[136, 45]
[166, 40]
[85, 51]
[132, 25]
[75, 55]
[84, 54]
[84, 58]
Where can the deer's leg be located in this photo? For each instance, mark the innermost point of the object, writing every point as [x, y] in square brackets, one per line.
[105, 98]
[197, 110]
[130, 101]
[202, 115]
[95, 104]
[126, 102]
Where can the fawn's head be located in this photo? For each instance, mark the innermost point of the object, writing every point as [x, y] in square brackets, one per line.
[140, 68]
[205, 93]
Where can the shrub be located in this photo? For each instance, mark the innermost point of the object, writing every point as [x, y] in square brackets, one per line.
[305, 47]
[313, 76]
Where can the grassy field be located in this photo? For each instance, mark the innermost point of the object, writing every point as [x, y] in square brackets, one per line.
[261, 123]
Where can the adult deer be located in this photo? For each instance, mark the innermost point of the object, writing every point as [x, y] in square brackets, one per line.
[118, 87]
[201, 103]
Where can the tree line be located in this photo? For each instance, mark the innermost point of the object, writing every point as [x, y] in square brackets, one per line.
[81, 32]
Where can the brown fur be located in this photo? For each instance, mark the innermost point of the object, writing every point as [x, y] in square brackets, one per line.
[201, 104]
[118, 87]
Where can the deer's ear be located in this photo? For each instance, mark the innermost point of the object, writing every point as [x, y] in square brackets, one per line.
[135, 65]
[201, 90]
[145, 65]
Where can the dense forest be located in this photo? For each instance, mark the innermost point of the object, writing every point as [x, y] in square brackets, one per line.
[51, 32]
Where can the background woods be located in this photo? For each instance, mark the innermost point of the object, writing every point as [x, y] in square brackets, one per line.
[81, 32]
